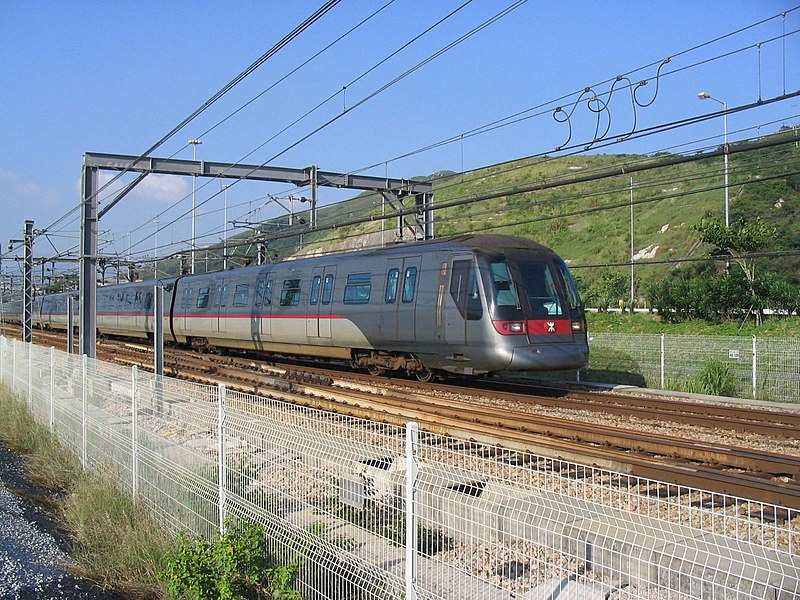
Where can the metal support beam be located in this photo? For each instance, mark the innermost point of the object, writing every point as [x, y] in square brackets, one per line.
[172, 166]
[314, 174]
[418, 224]
[88, 262]
[27, 321]
[70, 324]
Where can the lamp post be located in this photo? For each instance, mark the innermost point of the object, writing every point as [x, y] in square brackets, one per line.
[155, 251]
[225, 227]
[194, 144]
[707, 96]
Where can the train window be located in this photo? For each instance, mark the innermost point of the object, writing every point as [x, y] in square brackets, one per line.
[224, 299]
[505, 293]
[392, 277]
[290, 294]
[148, 301]
[268, 294]
[128, 299]
[357, 289]
[137, 299]
[186, 302]
[202, 297]
[315, 284]
[217, 294]
[327, 289]
[259, 293]
[464, 289]
[573, 297]
[409, 284]
[241, 295]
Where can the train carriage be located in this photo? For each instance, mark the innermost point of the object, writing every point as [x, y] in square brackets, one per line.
[468, 305]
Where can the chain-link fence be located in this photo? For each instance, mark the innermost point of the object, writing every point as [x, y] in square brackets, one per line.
[759, 368]
[369, 510]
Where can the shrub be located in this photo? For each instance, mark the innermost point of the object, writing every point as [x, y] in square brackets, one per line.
[235, 566]
[717, 379]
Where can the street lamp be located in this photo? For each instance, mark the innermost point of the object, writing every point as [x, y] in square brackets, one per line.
[155, 251]
[225, 228]
[707, 96]
[194, 144]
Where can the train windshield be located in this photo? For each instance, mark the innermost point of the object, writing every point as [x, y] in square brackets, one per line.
[521, 287]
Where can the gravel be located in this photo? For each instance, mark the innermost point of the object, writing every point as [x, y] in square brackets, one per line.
[33, 557]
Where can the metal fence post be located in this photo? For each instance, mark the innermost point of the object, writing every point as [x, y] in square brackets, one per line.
[134, 436]
[412, 443]
[663, 386]
[222, 462]
[84, 411]
[52, 389]
[14, 365]
[755, 369]
[30, 377]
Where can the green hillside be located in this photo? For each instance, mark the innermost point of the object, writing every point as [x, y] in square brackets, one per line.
[579, 220]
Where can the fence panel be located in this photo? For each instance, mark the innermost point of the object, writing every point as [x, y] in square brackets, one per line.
[330, 491]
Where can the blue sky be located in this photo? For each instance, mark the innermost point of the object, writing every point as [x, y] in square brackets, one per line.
[115, 77]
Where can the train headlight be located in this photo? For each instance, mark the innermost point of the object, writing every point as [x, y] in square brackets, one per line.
[577, 326]
[516, 327]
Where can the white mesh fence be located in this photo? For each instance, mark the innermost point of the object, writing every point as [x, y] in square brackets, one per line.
[750, 367]
[332, 492]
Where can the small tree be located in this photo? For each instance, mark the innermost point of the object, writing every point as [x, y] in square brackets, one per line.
[608, 289]
[740, 242]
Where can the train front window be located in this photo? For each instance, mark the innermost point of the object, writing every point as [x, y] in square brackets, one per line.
[539, 282]
[524, 286]
[573, 296]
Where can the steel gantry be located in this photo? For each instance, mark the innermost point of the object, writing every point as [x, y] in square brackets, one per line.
[393, 190]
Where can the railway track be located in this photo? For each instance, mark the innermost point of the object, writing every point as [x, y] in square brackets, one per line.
[757, 475]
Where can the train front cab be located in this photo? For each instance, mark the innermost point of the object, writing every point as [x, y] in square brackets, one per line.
[535, 310]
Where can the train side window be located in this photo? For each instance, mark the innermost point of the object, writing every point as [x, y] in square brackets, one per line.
[268, 294]
[128, 299]
[357, 289]
[259, 293]
[148, 301]
[409, 284]
[202, 297]
[217, 294]
[290, 294]
[315, 285]
[224, 299]
[392, 278]
[187, 298]
[327, 289]
[137, 299]
[464, 290]
[241, 295]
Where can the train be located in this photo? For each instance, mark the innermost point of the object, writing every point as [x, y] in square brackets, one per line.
[467, 305]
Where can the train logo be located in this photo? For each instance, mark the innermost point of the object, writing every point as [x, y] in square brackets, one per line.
[551, 327]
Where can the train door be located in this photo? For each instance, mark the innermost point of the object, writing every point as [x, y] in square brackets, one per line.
[266, 306]
[259, 313]
[220, 306]
[458, 302]
[318, 321]
[401, 291]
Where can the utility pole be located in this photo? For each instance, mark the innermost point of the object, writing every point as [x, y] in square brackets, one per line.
[631, 245]
[27, 334]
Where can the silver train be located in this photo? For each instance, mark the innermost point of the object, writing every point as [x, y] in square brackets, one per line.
[468, 305]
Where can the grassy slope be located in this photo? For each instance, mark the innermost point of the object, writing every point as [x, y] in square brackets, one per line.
[651, 323]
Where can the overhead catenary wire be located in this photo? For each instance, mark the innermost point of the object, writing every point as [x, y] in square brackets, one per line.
[381, 89]
[311, 19]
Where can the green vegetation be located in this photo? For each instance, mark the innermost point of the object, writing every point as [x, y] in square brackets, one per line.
[234, 566]
[115, 543]
[651, 323]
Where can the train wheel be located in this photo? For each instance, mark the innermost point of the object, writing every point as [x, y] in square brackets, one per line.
[375, 370]
[425, 375]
